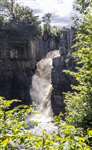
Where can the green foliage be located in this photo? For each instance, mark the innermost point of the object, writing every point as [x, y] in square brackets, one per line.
[3, 2]
[81, 8]
[13, 11]
[47, 21]
[1, 20]
[15, 134]
[82, 5]
[12, 124]
[79, 102]
[56, 31]
[70, 137]
[24, 14]
[7, 5]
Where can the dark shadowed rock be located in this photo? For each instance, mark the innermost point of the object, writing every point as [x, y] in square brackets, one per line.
[20, 50]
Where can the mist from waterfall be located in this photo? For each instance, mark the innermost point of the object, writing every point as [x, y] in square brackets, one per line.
[42, 88]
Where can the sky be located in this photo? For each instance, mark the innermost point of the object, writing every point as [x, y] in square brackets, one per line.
[61, 9]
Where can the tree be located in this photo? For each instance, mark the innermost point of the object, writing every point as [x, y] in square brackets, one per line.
[82, 5]
[79, 102]
[17, 13]
[47, 20]
[3, 11]
[7, 5]
[25, 14]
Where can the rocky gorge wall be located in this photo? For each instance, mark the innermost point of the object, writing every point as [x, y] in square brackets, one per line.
[19, 54]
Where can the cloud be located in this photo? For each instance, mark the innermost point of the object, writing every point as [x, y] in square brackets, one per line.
[59, 19]
[37, 11]
[61, 9]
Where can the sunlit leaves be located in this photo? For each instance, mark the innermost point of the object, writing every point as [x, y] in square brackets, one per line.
[15, 134]
[79, 102]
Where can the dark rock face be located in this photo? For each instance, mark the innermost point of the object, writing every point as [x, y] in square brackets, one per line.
[49, 82]
[15, 79]
[61, 83]
[19, 54]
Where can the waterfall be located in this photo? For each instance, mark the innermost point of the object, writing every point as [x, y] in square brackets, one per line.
[41, 89]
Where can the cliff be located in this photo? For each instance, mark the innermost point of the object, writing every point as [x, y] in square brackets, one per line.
[20, 50]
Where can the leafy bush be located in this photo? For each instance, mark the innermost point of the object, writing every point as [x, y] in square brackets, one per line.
[15, 134]
[79, 102]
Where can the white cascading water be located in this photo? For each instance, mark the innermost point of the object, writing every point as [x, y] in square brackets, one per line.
[41, 91]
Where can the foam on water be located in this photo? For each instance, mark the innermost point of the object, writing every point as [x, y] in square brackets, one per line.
[41, 92]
